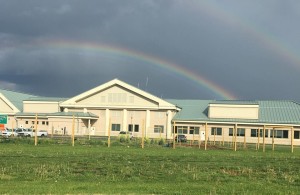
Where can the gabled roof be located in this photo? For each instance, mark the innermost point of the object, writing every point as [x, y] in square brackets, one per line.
[14, 99]
[162, 103]
[270, 112]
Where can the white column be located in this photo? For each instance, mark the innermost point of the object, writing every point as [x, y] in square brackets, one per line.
[89, 128]
[125, 123]
[107, 115]
[169, 125]
[147, 122]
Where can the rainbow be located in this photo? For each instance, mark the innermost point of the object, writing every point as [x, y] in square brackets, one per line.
[263, 38]
[118, 51]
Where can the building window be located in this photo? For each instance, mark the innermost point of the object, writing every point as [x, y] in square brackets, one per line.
[115, 127]
[254, 133]
[32, 122]
[133, 128]
[279, 133]
[240, 132]
[47, 123]
[296, 134]
[194, 130]
[216, 131]
[26, 122]
[158, 129]
[43, 122]
[181, 129]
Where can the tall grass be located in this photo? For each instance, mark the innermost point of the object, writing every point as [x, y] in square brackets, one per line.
[92, 167]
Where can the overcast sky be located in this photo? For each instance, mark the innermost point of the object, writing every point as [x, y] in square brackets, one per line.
[250, 48]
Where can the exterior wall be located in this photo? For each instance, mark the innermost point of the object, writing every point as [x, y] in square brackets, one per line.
[41, 107]
[158, 118]
[116, 96]
[233, 111]
[137, 118]
[248, 138]
[63, 126]
[4, 108]
[125, 118]
[29, 122]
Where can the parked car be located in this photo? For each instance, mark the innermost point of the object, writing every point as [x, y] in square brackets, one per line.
[126, 133]
[180, 138]
[8, 133]
[22, 132]
[31, 133]
[40, 133]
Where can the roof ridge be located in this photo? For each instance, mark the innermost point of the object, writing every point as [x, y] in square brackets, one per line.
[9, 90]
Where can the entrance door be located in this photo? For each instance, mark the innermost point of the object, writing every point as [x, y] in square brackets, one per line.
[202, 135]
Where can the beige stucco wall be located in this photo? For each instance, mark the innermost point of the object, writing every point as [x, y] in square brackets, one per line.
[4, 107]
[41, 107]
[115, 96]
[126, 117]
[157, 118]
[29, 122]
[61, 126]
[218, 139]
[233, 111]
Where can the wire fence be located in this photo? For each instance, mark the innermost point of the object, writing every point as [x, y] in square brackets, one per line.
[125, 140]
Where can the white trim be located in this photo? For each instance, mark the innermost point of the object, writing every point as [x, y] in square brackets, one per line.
[107, 117]
[234, 105]
[9, 103]
[148, 120]
[39, 102]
[161, 103]
[47, 117]
[93, 118]
[30, 116]
[125, 122]
[120, 107]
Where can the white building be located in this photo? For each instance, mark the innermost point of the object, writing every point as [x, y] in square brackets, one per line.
[117, 106]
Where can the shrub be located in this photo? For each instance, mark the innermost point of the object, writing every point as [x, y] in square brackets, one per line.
[161, 141]
[124, 139]
[147, 140]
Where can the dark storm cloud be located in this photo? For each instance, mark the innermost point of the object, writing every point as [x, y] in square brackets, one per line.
[222, 41]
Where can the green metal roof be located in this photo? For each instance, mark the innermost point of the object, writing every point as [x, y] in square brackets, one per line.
[235, 102]
[46, 99]
[75, 114]
[16, 98]
[30, 114]
[191, 109]
[274, 112]
[58, 114]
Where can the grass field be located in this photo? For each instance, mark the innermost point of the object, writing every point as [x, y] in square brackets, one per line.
[124, 168]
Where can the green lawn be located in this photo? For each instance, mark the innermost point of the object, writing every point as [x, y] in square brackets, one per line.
[50, 168]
